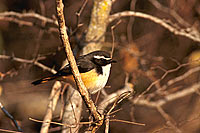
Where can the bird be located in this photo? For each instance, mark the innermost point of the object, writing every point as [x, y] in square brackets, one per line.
[94, 69]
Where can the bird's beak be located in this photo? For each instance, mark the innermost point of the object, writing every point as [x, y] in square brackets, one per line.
[113, 61]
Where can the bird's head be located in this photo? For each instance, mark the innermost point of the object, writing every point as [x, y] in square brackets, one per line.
[101, 58]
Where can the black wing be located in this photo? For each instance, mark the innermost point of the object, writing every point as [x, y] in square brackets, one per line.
[83, 64]
[63, 72]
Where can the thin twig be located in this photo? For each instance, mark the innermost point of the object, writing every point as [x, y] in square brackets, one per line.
[130, 22]
[112, 97]
[61, 124]
[10, 117]
[113, 37]
[51, 122]
[17, 18]
[128, 122]
[172, 12]
[163, 76]
[120, 98]
[13, 14]
[154, 104]
[8, 131]
[34, 62]
[190, 33]
[168, 119]
[181, 77]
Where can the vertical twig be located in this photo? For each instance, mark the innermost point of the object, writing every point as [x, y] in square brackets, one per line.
[113, 37]
[54, 96]
[107, 123]
[130, 23]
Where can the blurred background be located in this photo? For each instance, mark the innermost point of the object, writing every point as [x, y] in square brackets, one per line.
[145, 51]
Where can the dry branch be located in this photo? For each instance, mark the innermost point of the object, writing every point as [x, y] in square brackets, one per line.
[72, 111]
[172, 12]
[20, 19]
[8, 131]
[10, 117]
[82, 89]
[54, 96]
[169, 120]
[166, 99]
[34, 62]
[189, 32]
[163, 76]
[181, 77]
[154, 104]
[8, 16]
[56, 123]
[112, 97]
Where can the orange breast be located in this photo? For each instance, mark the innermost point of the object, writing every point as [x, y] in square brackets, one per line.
[89, 79]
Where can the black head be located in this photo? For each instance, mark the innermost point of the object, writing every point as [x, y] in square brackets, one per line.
[101, 58]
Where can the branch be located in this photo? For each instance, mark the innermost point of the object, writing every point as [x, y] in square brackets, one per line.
[99, 20]
[35, 62]
[169, 120]
[10, 117]
[16, 16]
[54, 96]
[172, 12]
[80, 85]
[8, 131]
[95, 35]
[168, 98]
[112, 97]
[181, 77]
[72, 110]
[154, 104]
[190, 33]
[163, 76]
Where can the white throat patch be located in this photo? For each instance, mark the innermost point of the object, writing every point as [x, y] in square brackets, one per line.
[102, 78]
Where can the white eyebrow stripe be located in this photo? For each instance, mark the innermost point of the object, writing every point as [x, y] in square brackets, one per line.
[101, 57]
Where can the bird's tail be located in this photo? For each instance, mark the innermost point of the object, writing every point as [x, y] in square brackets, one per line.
[43, 80]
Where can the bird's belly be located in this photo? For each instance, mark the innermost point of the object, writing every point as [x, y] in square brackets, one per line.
[94, 81]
